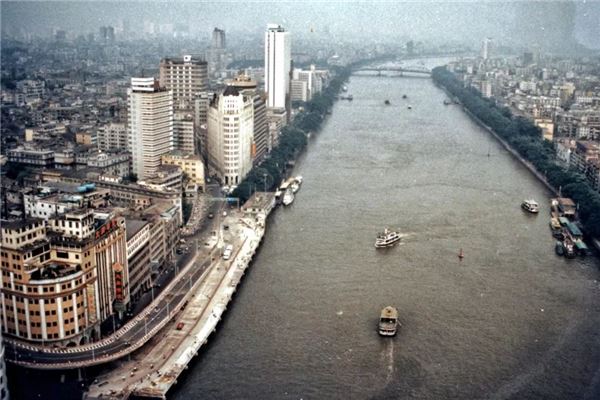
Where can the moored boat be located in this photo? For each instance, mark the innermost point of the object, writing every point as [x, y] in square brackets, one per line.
[288, 197]
[387, 238]
[559, 248]
[387, 102]
[569, 248]
[409, 107]
[531, 206]
[388, 321]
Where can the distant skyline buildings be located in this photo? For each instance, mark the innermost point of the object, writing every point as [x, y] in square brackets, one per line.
[447, 21]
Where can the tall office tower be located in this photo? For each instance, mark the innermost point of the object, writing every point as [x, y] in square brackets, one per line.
[278, 66]
[217, 54]
[150, 129]
[230, 135]
[185, 77]
[485, 48]
[218, 39]
[3, 383]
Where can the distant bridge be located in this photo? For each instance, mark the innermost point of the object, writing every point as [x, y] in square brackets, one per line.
[400, 70]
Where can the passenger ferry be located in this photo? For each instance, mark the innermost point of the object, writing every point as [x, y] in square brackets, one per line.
[288, 197]
[530, 205]
[387, 238]
[388, 321]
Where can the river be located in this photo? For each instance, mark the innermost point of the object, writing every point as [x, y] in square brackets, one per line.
[511, 320]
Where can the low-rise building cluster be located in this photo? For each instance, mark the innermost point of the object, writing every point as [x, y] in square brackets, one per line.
[561, 96]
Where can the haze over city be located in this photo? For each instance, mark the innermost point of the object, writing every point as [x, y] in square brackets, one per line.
[506, 21]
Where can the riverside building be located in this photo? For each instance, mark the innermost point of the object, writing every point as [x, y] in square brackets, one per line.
[230, 135]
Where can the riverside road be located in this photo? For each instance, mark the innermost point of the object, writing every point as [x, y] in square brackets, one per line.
[510, 321]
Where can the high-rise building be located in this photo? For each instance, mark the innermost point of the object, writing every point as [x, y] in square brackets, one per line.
[230, 135]
[485, 48]
[185, 77]
[278, 65]
[150, 128]
[218, 39]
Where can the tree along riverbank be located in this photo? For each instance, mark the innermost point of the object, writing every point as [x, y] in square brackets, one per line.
[525, 140]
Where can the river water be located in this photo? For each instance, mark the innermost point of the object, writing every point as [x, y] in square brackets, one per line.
[511, 320]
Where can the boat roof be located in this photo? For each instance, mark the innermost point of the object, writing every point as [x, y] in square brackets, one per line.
[573, 229]
[389, 312]
[531, 201]
[563, 220]
[580, 245]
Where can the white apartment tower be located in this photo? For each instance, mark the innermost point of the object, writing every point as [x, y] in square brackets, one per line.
[185, 77]
[230, 135]
[150, 128]
[278, 65]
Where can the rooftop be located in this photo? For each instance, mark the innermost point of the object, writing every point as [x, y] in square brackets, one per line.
[133, 226]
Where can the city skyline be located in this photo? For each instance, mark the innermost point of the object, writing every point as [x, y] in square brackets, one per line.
[454, 21]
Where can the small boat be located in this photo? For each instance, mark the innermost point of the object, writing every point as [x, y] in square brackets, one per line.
[298, 179]
[569, 248]
[555, 224]
[278, 197]
[461, 254]
[387, 238]
[530, 205]
[404, 96]
[388, 321]
[581, 248]
[409, 107]
[288, 197]
[295, 187]
[387, 102]
[345, 88]
[559, 248]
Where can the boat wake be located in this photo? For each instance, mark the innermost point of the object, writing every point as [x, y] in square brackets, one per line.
[388, 361]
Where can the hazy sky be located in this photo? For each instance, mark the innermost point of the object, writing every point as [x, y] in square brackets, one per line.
[452, 20]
